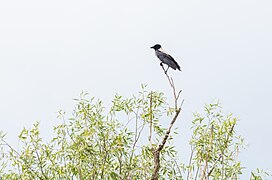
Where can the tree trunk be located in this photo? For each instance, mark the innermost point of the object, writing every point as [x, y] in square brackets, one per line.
[155, 174]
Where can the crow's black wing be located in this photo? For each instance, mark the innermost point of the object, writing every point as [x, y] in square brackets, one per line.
[167, 59]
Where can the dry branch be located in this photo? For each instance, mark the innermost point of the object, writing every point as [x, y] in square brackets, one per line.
[156, 151]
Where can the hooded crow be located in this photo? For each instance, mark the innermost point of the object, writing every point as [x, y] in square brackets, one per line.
[165, 58]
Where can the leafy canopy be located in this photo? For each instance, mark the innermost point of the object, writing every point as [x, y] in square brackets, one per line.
[116, 142]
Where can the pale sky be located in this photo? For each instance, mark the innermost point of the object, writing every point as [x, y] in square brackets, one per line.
[51, 50]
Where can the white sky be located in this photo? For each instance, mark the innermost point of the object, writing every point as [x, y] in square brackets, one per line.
[51, 50]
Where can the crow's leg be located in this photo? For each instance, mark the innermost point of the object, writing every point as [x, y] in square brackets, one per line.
[166, 70]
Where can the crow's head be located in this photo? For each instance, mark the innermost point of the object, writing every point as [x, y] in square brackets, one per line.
[156, 47]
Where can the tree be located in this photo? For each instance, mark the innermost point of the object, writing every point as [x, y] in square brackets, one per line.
[214, 146]
[93, 144]
[126, 141]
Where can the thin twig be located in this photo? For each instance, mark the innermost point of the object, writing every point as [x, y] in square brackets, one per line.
[26, 163]
[190, 162]
[197, 171]
[207, 156]
[137, 135]
[39, 159]
[172, 84]
[150, 120]
[221, 155]
[210, 172]
[176, 163]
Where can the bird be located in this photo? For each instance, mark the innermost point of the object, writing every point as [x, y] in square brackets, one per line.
[165, 58]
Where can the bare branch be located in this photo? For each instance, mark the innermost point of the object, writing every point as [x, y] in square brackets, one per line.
[156, 152]
[169, 130]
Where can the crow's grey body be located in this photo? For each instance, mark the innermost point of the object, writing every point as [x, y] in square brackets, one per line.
[165, 57]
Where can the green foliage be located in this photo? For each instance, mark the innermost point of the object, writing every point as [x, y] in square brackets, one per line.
[95, 143]
[215, 145]
[259, 174]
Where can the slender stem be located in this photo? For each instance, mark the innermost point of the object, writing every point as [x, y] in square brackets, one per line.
[137, 135]
[190, 162]
[210, 172]
[39, 159]
[197, 171]
[205, 169]
[150, 120]
[26, 163]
